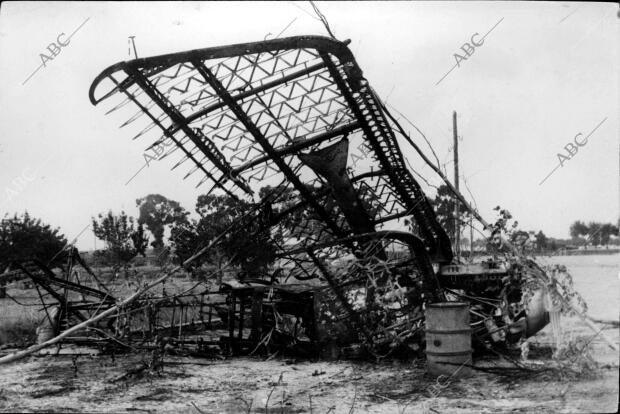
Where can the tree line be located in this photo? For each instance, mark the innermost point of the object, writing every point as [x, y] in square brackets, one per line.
[243, 245]
[236, 222]
[595, 233]
[238, 225]
[582, 234]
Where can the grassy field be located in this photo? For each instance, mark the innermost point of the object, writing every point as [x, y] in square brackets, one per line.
[18, 324]
[21, 311]
[82, 381]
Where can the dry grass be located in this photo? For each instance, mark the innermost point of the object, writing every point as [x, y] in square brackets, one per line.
[18, 324]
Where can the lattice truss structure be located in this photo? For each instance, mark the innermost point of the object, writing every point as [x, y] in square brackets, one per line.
[242, 117]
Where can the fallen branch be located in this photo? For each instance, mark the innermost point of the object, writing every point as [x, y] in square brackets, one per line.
[247, 405]
[22, 354]
[353, 403]
[271, 392]
[198, 409]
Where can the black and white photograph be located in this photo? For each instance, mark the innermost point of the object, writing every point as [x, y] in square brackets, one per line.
[309, 207]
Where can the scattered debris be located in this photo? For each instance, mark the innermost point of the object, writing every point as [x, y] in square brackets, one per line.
[288, 111]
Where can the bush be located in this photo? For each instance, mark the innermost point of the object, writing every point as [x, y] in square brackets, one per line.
[20, 330]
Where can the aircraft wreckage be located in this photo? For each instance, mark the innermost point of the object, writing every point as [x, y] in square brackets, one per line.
[291, 113]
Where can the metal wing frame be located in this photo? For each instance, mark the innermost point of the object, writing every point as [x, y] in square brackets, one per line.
[249, 115]
[243, 113]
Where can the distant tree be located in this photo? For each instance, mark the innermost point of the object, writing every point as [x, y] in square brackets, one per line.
[24, 238]
[157, 212]
[186, 242]
[594, 233]
[464, 243]
[443, 203]
[578, 228]
[480, 243]
[541, 241]
[302, 221]
[123, 241]
[553, 245]
[522, 239]
[281, 197]
[244, 243]
[607, 230]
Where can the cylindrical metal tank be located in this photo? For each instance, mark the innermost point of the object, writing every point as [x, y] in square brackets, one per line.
[448, 339]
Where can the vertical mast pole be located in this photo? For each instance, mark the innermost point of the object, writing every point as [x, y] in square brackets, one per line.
[457, 230]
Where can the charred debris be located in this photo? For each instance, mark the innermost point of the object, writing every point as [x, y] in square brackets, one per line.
[296, 114]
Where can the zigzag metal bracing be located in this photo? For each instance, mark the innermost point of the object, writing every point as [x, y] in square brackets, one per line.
[202, 142]
[187, 152]
[258, 136]
[262, 104]
[295, 118]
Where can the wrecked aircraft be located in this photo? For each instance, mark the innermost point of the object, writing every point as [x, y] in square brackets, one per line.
[292, 113]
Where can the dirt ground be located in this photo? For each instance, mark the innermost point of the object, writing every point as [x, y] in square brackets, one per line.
[98, 384]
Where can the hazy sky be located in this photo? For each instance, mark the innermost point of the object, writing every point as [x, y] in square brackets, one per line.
[545, 73]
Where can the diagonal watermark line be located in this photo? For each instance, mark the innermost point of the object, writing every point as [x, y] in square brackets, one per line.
[444, 76]
[22, 187]
[78, 28]
[67, 243]
[549, 175]
[137, 172]
[287, 26]
[596, 127]
[592, 235]
[292, 3]
[569, 15]
[157, 142]
[585, 140]
[32, 74]
[68, 39]
[482, 39]
[493, 28]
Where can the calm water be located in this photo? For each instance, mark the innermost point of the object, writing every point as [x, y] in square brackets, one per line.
[597, 278]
